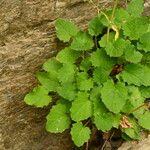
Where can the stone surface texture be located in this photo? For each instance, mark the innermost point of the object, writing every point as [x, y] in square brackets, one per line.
[142, 145]
[27, 40]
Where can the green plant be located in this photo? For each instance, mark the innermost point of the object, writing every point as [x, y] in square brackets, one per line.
[102, 78]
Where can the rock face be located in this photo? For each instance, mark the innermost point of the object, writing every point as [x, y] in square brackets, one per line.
[142, 145]
[27, 40]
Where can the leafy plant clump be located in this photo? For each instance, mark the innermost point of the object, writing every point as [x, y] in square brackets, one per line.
[101, 79]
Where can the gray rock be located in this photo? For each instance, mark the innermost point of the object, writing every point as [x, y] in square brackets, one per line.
[142, 145]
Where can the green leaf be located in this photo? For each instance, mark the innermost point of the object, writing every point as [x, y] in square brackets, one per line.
[99, 58]
[52, 66]
[104, 122]
[144, 120]
[83, 82]
[103, 42]
[95, 93]
[116, 48]
[121, 16]
[82, 76]
[95, 26]
[116, 120]
[135, 7]
[136, 27]
[85, 85]
[58, 120]
[66, 73]
[134, 132]
[38, 97]
[132, 55]
[136, 74]
[114, 96]
[67, 55]
[145, 91]
[47, 81]
[81, 108]
[65, 29]
[82, 42]
[103, 18]
[67, 91]
[135, 100]
[144, 42]
[80, 134]
[146, 59]
[128, 107]
[85, 64]
[101, 75]
[102, 117]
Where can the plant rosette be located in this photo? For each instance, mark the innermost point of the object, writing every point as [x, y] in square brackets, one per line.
[102, 77]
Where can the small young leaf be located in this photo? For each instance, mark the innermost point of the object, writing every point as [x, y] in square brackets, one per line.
[82, 42]
[58, 120]
[38, 97]
[136, 7]
[67, 55]
[95, 26]
[136, 74]
[65, 29]
[81, 108]
[80, 134]
[136, 27]
[114, 96]
[144, 120]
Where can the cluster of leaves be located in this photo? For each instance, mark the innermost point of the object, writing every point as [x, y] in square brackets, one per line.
[103, 76]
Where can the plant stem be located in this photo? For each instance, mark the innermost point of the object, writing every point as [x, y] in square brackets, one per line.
[87, 123]
[139, 107]
[95, 40]
[87, 145]
[114, 8]
[112, 17]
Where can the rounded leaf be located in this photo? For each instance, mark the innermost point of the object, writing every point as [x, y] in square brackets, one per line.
[80, 134]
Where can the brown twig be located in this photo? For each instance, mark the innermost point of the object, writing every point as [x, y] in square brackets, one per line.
[87, 146]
